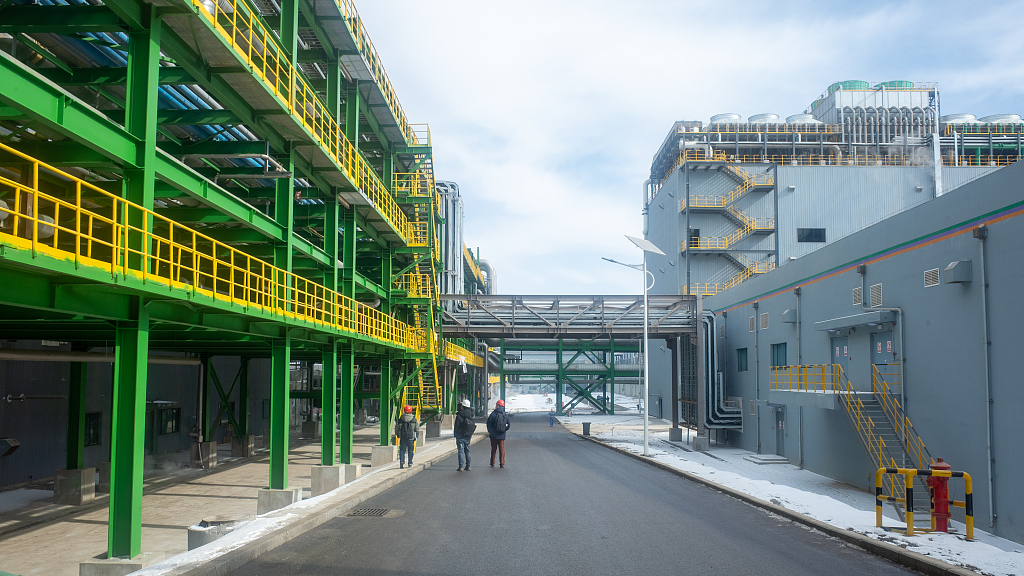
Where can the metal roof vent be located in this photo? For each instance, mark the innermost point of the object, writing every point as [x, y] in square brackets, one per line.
[931, 277]
[858, 298]
[751, 323]
[876, 295]
[958, 272]
[764, 321]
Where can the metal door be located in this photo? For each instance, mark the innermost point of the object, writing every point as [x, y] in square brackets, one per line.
[780, 430]
[883, 356]
[841, 353]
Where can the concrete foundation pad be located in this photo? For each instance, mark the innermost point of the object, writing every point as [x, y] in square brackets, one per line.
[351, 472]
[204, 455]
[103, 477]
[266, 438]
[675, 434]
[448, 421]
[311, 429]
[323, 479]
[119, 566]
[359, 418]
[701, 443]
[433, 429]
[421, 439]
[74, 487]
[210, 529]
[243, 447]
[382, 455]
[268, 500]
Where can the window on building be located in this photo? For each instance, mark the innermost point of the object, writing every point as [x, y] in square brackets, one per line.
[810, 234]
[93, 428]
[266, 409]
[741, 359]
[169, 420]
[779, 354]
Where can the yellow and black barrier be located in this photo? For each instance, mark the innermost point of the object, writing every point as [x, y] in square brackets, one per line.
[908, 473]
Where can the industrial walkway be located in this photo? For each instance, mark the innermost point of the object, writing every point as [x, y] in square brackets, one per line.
[562, 506]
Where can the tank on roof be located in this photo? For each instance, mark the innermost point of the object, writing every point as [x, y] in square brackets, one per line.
[896, 85]
[959, 119]
[850, 85]
[1001, 119]
[802, 119]
[766, 118]
[726, 118]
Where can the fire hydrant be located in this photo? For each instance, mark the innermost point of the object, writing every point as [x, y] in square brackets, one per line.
[940, 496]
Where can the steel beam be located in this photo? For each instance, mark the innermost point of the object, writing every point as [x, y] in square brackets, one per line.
[384, 397]
[35, 19]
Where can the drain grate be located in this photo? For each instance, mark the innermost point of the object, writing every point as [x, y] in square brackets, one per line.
[370, 512]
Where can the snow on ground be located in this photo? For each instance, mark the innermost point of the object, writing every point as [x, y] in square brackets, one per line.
[14, 499]
[515, 403]
[805, 492]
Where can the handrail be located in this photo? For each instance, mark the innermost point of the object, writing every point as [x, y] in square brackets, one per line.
[100, 230]
[455, 352]
[909, 474]
[983, 160]
[468, 257]
[242, 29]
[912, 443]
[982, 129]
[803, 160]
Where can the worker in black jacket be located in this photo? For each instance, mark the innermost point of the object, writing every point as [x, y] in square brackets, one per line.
[497, 424]
[464, 428]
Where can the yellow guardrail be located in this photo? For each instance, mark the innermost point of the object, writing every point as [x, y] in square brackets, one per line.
[455, 352]
[771, 128]
[749, 183]
[983, 160]
[803, 160]
[908, 489]
[242, 28]
[416, 285]
[471, 262]
[982, 129]
[883, 376]
[750, 225]
[97, 229]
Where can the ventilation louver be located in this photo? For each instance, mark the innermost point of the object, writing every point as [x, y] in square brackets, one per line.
[858, 298]
[764, 321]
[876, 295]
[931, 277]
[751, 323]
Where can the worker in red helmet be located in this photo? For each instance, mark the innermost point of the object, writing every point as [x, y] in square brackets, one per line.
[497, 424]
[406, 431]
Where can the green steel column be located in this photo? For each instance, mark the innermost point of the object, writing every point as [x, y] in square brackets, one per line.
[347, 361]
[331, 244]
[501, 367]
[352, 97]
[328, 404]
[388, 168]
[280, 409]
[334, 89]
[348, 254]
[243, 397]
[560, 378]
[76, 416]
[128, 428]
[611, 393]
[290, 28]
[385, 401]
[284, 212]
[386, 256]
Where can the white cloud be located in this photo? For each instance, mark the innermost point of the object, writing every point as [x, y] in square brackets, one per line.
[547, 114]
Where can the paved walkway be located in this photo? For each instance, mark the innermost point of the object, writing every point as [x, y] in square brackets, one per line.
[561, 506]
[47, 538]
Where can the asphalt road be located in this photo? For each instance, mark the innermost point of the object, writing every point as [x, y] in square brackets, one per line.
[565, 506]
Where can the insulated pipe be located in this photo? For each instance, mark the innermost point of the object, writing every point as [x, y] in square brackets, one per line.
[981, 233]
[717, 416]
[647, 185]
[492, 278]
[58, 356]
[757, 376]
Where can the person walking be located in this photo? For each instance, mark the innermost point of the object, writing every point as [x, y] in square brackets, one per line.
[551, 417]
[497, 425]
[406, 431]
[464, 428]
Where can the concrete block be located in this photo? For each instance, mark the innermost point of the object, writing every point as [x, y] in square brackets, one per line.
[383, 455]
[433, 429]
[74, 487]
[421, 439]
[702, 443]
[210, 529]
[204, 455]
[266, 437]
[311, 429]
[268, 500]
[103, 477]
[675, 434]
[119, 566]
[243, 447]
[448, 421]
[351, 472]
[359, 418]
[323, 479]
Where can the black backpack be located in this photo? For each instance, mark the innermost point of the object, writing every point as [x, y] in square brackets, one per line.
[405, 431]
[468, 426]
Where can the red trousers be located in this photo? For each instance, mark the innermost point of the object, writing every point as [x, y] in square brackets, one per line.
[497, 446]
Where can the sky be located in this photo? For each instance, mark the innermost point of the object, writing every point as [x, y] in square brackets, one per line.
[547, 113]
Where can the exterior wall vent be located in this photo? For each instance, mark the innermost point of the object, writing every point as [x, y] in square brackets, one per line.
[751, 323]
[876, 295]
[931, 277]
[858, 298]
[764, 321]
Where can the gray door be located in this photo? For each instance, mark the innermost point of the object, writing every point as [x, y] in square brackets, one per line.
[841, 353]
[883, 354]
[780, 430]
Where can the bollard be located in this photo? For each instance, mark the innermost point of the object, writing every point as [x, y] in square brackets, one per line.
[586, 428]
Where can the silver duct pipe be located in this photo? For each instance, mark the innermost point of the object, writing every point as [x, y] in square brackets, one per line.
[58, 356]
[647, 187]
[981, 233]
[492, 278]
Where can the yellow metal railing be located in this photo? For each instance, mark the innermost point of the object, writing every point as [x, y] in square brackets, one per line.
[983, 160]
[750, 225]
[805, 378]
[471, 262]
[883, 377]
[982, 129]
[93, 228]
[242, 28]
[770, 128]
[455, 352]
[416, 285]
[804, 160]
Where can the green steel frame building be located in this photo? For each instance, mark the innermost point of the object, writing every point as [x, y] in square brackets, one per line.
[192, 179]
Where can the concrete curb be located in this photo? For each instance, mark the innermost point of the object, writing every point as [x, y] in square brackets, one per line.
[901, 556]
[247, 553]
